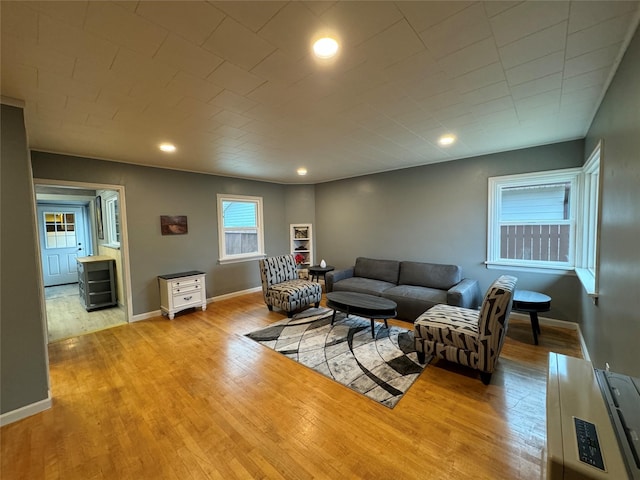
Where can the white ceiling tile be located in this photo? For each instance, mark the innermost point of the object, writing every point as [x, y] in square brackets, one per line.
[50, 82]
[123, 27]
[19, 80]
[238, 44]
[19, 20]
[72, 12]
[420, 64]
[253, 14]
[186, 56]
[233, 102]
[390, 46]
[484, 94]
[588, 14]
[355, 22]
[194, 21]
[546, 98]
[226, 117]
[422, 15]
[293, 29]
[539, 85]
[458, 31]
[37, 56]
[282, 68]
[589, 79]
[601, 35]
[492, 106]
[500, 118]
[494, 8]
[143, 69]
[185, 84]
[593, 60]
[527, 18]
[536, 45]
[538, 68]
[75, 42]
[586, 95]
[473, 57]
[480, 78]
[75, 105]
[86, 71]
[235, 79]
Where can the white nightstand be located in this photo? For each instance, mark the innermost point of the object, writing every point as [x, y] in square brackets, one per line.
[179, 291]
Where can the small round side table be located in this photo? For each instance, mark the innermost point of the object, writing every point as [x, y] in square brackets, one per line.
[532, 303]
[317, 271]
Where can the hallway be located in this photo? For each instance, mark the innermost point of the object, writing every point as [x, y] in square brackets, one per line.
[66, 317]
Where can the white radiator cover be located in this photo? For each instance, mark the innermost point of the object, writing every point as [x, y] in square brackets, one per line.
[573, 391]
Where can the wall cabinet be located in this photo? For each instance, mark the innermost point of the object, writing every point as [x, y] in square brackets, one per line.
[179, 291]
[96, 282]
[302, 244]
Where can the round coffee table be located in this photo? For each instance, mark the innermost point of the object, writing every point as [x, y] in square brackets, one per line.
[532, 303]
[368, 306]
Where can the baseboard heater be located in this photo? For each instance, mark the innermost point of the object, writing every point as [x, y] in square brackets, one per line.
[593, 422]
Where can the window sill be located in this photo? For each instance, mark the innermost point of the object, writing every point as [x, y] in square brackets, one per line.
[588, 281]
[115, 246]
[552, 270]
[248, 258]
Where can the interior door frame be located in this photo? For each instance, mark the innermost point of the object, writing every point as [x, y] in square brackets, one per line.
[124, 234]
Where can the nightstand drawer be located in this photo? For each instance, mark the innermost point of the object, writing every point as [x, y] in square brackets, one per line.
[192, 297]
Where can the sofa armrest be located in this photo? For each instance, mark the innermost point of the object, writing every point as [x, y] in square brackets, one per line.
[335, 276]
[465, 294]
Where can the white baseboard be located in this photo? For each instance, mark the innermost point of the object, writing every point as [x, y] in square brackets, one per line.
[553, 322]
[158, 313]
[26, 411]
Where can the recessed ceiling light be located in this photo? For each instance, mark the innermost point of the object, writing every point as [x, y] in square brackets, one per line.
[325, 47]
[302, 171]
[167, 147]
[446, 140]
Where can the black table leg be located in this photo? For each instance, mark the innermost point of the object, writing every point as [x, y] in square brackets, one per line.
[333, 317]
[535, 326]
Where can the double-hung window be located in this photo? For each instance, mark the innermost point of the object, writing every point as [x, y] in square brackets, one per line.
[240, 228]
[587, 252]
[532, 220]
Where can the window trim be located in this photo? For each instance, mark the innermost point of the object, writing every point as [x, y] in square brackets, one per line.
[496, 184]
[588, 251]
[110, 220]
[222, 257]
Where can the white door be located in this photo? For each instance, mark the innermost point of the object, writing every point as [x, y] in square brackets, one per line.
[62, 239]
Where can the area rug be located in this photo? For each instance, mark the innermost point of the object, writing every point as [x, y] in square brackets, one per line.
[382, 368]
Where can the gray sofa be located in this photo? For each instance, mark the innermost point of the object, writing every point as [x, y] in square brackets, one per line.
[414, 286]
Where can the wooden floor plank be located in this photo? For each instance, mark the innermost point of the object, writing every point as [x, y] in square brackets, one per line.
[193, 398]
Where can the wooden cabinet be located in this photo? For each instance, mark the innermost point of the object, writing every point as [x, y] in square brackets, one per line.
[179, 291]
[302, 244]
[96, 282]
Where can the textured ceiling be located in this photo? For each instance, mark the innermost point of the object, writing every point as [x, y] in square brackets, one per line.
[233, 84]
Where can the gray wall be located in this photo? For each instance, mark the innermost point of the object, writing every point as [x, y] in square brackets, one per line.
[151, 192]
[612, 328]
[437, 213]
[23, 372]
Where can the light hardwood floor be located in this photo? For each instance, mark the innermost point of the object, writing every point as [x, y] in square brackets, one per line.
[193, 398]
[66, 317]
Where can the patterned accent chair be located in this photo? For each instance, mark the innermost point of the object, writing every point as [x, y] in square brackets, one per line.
[282, 288]
[468, 337]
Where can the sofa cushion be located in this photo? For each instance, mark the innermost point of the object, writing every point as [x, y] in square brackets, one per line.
[414, 301]
[362, 285]
[385, 270]
[432, 275]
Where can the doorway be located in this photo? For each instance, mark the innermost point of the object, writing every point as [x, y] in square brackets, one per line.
[67, 222]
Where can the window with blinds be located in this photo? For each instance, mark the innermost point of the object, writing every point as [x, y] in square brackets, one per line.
[532, 219]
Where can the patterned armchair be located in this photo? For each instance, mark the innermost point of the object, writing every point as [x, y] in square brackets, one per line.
[282, 288]
[468, 337]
